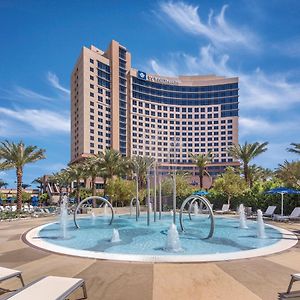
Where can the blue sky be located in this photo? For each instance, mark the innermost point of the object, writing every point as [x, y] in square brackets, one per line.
[259, 41]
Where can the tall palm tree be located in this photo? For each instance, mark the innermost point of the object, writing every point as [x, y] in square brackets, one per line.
[295, 149]
[111, 163]
[245, 153]
[16, 156]
[202, 160]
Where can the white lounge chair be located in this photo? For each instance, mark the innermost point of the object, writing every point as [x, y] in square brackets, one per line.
[49, 288]
[6, 274]
[295, 215]
[225, 209]
[294, 277]
[269, 212]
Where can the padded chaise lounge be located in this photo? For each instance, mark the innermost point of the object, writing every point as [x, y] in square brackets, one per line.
[6, 273]
[269, 212]
[49, 288]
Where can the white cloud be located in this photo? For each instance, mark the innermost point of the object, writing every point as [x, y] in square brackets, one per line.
[257, 89]
[264, 127]
[217, 29]
[43, 121]
[54, 81]
[27, 93]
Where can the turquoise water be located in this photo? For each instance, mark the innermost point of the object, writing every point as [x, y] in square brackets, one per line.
[138, 238]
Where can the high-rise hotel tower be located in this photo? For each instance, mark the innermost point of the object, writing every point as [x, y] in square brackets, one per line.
[116, 106]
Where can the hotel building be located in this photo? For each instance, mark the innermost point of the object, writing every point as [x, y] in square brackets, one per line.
[116, 106]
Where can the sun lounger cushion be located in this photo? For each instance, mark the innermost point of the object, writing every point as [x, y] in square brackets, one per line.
[48, 288]
[6, 273]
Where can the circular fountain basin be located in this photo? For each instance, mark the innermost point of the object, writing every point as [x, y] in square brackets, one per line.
[140, 242]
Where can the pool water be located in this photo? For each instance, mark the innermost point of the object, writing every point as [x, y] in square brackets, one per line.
[138, 238]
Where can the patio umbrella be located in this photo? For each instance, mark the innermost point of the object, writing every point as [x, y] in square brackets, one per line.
[200, 193]
[282, 191]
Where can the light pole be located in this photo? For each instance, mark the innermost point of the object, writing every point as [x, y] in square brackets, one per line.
[175, 144]
[159, 197]
[154, 198]
[148, 196]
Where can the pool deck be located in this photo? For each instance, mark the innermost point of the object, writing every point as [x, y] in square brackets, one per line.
[253, 278]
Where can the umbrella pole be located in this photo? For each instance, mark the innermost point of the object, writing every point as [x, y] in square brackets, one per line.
[282, 204]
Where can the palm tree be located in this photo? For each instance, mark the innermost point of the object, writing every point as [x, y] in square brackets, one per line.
[62, 180]
[140, 166]
[16, 156]
[258, 173]
[289, 173]
[202, 160]
[3, 184]
[75, 173]
[92, 169]
[40, 182]
[245, 153]
[111, 163]
[296, 148]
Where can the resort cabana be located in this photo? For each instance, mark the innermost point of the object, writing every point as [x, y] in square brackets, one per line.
[282, 191]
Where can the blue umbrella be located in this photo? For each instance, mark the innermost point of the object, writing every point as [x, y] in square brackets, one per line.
[34, 201]
[282, 191]
[200, 193]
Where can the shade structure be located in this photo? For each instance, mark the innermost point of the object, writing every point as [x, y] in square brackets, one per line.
[282, 191]
[200, 193]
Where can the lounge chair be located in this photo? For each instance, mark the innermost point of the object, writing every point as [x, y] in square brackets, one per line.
[295, 215]
[294, 277]
[269, 212]
[6, 273]
[225, 209]
[49, 288]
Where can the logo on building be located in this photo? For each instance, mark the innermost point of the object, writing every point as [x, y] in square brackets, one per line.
[141, 75]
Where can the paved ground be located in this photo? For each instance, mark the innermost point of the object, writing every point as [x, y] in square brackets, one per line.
[256, 278]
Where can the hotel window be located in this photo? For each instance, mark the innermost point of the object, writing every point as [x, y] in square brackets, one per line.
[91, 94]
[91, 77]
[91, 61]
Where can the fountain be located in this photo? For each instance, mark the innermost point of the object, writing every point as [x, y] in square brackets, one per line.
[243, 223]
[64, 217]
[196, 209]
[105, 210]
[93, 218]
[260, 225]
[173, 242]
[115, 236]
[150, 207]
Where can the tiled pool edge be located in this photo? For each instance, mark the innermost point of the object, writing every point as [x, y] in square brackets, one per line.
[288, 240]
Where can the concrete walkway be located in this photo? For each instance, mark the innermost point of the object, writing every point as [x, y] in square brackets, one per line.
[256, 278]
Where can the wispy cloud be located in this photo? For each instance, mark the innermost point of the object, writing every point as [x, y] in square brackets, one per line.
[42, 121]
[217, 29]
[266, 128]
[257, 89]
[54, 81]
[19, 93]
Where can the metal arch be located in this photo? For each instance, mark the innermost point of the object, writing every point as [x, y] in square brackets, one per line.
[138, 209]
[90, 198]
[208, 205]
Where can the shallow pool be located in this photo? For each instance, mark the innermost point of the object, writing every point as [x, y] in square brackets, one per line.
[138, 238]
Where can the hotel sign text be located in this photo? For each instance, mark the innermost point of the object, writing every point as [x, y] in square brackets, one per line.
[144, 76]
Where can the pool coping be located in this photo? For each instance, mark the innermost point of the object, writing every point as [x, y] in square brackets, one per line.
[288, 240]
